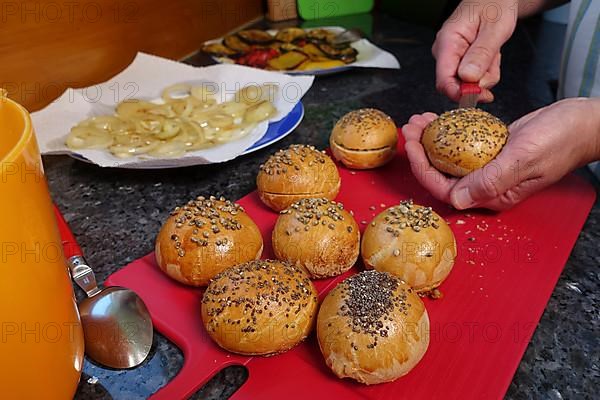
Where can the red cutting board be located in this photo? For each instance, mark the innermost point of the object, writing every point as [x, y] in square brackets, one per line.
[506, 269]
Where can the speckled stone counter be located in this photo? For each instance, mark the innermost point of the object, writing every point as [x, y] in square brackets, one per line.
[116, 214]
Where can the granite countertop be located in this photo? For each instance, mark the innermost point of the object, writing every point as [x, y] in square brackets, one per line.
[116, 214]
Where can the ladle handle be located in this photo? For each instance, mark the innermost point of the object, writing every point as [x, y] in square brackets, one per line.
[80, 271]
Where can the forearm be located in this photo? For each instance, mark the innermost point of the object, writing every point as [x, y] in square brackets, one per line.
[595, 129]
[528, 8]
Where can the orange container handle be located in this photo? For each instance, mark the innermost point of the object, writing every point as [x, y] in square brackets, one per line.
[70, 246]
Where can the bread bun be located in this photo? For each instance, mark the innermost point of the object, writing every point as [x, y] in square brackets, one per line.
[204, 237]
[411, 242]
[372, 328]
[294, 173]
[364, 139]
[260, 307]
[463, 140]
[319, 235]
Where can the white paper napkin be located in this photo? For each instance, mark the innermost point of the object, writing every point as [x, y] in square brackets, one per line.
[145, 78]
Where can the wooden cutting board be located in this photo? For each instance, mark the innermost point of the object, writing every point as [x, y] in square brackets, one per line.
[506, 269]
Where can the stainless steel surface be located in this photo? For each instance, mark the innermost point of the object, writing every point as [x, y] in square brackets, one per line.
[117, 328]
[83, 275]
[468, 100]
[116, 323]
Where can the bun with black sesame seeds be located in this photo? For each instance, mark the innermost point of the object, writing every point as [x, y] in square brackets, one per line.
[297, 172]
[319, 235]
[411, 242]
[204, 237]
[259, 308]
[372, 328]
[364, 139]
[463, 140]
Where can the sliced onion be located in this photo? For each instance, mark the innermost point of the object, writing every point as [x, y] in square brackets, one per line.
[260, 112]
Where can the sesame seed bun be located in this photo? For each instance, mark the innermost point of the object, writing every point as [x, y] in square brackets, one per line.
[411, 242]
[258, 308]
[463, 140]
[203, 238]
[319, 235]
[364, 139]
[294, 173]
[372, 328]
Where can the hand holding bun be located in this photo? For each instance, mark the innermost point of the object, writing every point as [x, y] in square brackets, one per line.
[463, 140]
[258, 308]
[364, 139]
[372, 328]
[319, 235]
[294, 173]
[411, 242]
[204, 237]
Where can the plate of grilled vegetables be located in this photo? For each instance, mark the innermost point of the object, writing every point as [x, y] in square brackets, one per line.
[291, 50]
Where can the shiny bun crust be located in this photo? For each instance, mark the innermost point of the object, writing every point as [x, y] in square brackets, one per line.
[372, 328]
[319, 235]
[463, 140]
[258, 308]
[411, 242]
[294, 173]
[364, 139]
[204, 237]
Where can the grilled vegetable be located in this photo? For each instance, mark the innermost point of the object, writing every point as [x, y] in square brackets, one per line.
[256, 36]
[290, 48]
[235, 43]
[287, 61]
[219, 50]
[313, 51]
[285, 47]
[311, 65]
[289, 35]
[320, 35]
[257, 58]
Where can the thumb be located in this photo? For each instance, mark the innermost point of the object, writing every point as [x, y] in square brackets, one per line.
[481, 54]
[484, 184]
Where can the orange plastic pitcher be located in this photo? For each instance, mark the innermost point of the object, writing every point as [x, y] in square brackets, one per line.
[41, 340]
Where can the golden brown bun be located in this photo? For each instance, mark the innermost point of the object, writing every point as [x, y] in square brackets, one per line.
[204, 237]
[319, 235]
[294, 173]
[373, 328]
[364, 139]
[411, 242]
[463, 140]
[260, 307]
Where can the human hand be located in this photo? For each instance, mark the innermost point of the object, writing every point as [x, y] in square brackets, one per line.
[467, 47]
[542, 147]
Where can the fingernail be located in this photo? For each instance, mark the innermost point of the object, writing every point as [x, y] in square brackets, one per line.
[471, 69]
[462, 199]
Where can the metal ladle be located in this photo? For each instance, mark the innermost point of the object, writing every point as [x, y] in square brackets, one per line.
[116, 323]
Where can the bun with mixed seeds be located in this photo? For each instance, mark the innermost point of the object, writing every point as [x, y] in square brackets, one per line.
[319, 235]
[411, 242]
[294, 173]
[260, 307]
[463, 140]
[204, 237]
[364, 139]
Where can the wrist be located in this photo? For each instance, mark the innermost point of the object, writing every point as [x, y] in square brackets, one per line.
[587, 124]
[595, 128]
